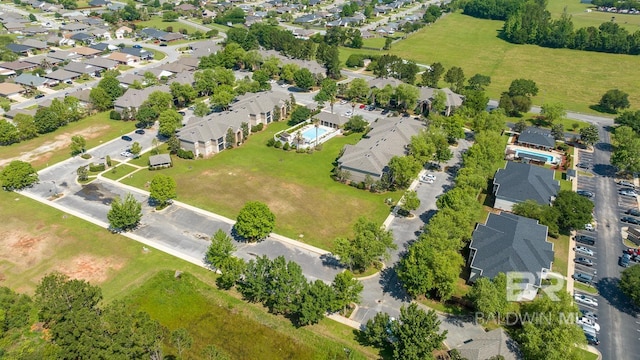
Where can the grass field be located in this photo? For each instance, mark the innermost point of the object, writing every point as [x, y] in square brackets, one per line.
[54, 147]
[574, 78]
[561, 176]
[297, 187]
[214, 317]
[156, 22]
[119, 171]
[581, 18]
[561, 254]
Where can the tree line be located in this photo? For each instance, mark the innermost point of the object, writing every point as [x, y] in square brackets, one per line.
[529, 22]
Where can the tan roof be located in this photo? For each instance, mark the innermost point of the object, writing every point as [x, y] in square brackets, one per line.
[124, 29]
[83, 50]
[122, 57]
[10, 88]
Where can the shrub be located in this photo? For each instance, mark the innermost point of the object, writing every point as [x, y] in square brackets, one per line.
[257, 128]
[185, 154]
[355, 60]
[96, 167]
[286, 146]
[278, 144]
[108, 160]
[563, 147]
[114, 115]
[85, 156]
[271, 142]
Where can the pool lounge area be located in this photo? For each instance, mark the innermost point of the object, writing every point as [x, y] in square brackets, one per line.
[308, 133]
[529, 155]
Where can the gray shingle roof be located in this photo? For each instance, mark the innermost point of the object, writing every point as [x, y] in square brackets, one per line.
[134, 98]
[62, 75]
[81, 68]
[102, 63]
[518, 182]
[508, 242]
[538, 137]
[29, 80]
[160, 159]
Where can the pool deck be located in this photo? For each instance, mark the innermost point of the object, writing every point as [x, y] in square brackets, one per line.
[514, 148]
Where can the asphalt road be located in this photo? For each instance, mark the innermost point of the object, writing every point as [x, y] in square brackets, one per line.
[618, 319]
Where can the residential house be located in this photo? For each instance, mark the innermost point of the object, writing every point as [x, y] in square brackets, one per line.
[87, 52]
[124, 59]
[184, 78]
[537, 138]
[304, 33]
[427, 94]
[208, 135]
[328, 119]
[190, 62]
[98, 3]
[508, 243]
[155, 34]
[19, 49]
[123, 31]
[518, 182]
[83, 97]
[115, 6]
[64, 55]
[74, 27]
[14, 27]
[100, 33]
[387, 138]
[129, 79]
[102, 63]
[81, 68]
[159, 73]
[36, 44]
[313, 66]
[380, 82]
[61, 75]
[204, 48]
[17, 65]
[35, 30]
[174, 67]
[31, 81]
[185, 7]
[13, 112]
[141, 53]
[82, 37]
[43, 61]
[10, 89]
[132, 98]
[307, 19]
[492, 344]
[103, 47]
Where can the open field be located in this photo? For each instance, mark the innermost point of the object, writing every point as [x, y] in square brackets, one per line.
[119, 171]
[156, 22]
[561, 254]
[574, 78]
[37, 239]
[298, 188]
[54, 147]
[214, 317]
[582, 18]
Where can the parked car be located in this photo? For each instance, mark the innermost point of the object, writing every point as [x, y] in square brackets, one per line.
[137, 46]
[584, 250]
[126, 154]
[583, 278]
[585, 321]
[633, 212]
[385, 112]
[632, 251]
[626, 183]
[362, 106]
[624, 260]
[182, 113]
[630, 220]
[627, 192]
[39, 96]
[582, 165]
[589, 227]
[163, 44]
[589, 314]
[592, 340]
[126, 138]
[348, 113]
[584, 239]
[140, 132]
[586, 300]
[426, 181]
[430, 176]
[342, 102]
[584, 261]
[586, 193]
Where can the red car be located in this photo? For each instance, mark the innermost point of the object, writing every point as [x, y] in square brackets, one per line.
[631, 251]
[362, 106]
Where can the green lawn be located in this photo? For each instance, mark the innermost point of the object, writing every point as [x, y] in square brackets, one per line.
[157, 55]
[569, 125]
[585, 288]
[119, 171]
[54, 147]
[214, 317]
[587, 355]
[582, 18]
[574, 78]
[297, 187]
[561, 254]
[156, 22]
[562, 176]
[374, 42]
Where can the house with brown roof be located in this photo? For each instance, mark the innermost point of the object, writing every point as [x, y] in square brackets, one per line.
[9, 89]
[86, 51]
[123, 31]
[124, 59]
[17, 65]
[62, 75]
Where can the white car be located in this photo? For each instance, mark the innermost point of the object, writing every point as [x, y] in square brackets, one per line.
[348, 113]
[430, 176]
[584, 250]
[126, 154]
[426, 180]
[586, 300]
[588, 322]
[589, 227]
[342, 102]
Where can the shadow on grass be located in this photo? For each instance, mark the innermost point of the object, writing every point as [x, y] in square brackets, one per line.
[601, 109]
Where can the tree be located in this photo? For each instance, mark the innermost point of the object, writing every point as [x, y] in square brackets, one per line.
[387, 43]
[614, 100]
[304, 79]
[169, 120]
[407, 95]
[358, 89]
[553, 112]
[220, 249]
[520, 126]
[557, 131]
[78, 144]
[548, 335]
[170, 16]
[124, 215]
[479, 82]
[589, 135]
[439, 102]
[111, 86]
[210, 352]
[416, 333]
[630, 119]
[523, 87]
[376, 331]
[630, 283]
[575, 210]
[455, 78]
[181, 339]
[347, 289]
[411, 201]
[316, 299]
[162, 190]
[403, 169]
[369, 244]
[159, 101]
[25, 126]
[299, 114]
[356, 124]
[135, 149]
[100, 99]
[626, 154]
[200, 109]
[432, 14]
[232, 269]
[222, 97]
[83, 173]
[432, 76]
[183, 94]
[489, 296]
[255, 221]
[18, 175]
[46, 120]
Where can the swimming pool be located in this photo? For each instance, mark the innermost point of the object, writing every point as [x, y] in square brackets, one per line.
[310, 133]
[550, 159]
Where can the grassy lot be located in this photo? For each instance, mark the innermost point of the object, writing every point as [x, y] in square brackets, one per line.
[561, 254]
[119, 171]
[562, 176]
[586, 355]
[582, 18]
[157, 55]
[214, 317]
[569, 125]
[574, 78]
[297, 187]
[156, 22]
[374, 42]
[54, 147]
[585, 288]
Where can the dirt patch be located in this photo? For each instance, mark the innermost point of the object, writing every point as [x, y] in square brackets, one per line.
[61, 141]
[90, 268]
[23, 249]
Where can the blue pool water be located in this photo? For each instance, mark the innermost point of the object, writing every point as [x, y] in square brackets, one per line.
[550, 159]
[310, 133]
